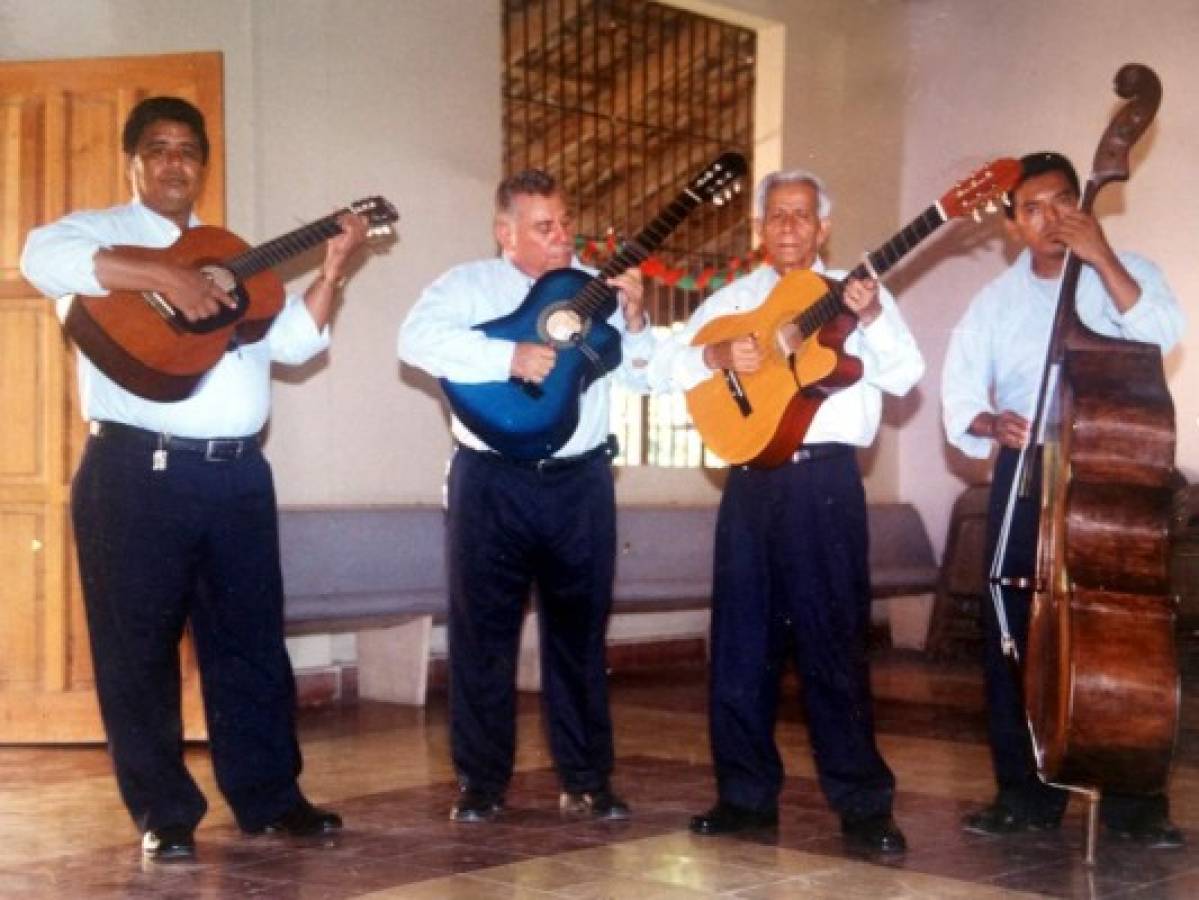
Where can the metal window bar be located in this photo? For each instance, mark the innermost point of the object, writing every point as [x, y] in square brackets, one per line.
[624, 101]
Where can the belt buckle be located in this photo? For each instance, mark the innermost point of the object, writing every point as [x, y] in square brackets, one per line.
[222, 450]
[803, 454]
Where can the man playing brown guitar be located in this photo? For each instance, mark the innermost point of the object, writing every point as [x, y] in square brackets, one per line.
[174, 510]
[791, 546]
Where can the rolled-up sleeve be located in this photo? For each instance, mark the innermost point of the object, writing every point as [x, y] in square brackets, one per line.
[60, 258]
[294, 337]
[677, 365]
[438, 336]
[1156, 317]
[965, 383]
[891, 360]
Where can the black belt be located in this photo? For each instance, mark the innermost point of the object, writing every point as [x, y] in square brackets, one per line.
[812, 452]
[608, 449]
[213, 450]
[808, 452]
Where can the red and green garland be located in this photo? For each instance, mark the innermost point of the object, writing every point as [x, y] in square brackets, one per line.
[709, 278]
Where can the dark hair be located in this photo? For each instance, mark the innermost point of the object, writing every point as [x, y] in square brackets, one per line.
[1035, 164]
[157, 109]
[529, 182]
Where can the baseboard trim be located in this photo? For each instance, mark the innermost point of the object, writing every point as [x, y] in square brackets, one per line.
[338, 685]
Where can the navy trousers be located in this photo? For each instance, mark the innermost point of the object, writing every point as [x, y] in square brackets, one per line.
[196, 544]
[792, 578]
[511, 527]
[1020, 788]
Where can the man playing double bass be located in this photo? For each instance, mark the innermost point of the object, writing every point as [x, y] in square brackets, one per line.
[989, 388]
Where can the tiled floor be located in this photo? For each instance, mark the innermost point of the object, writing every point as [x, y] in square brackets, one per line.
[63, 832]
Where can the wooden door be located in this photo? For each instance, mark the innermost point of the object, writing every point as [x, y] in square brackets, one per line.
[60, 150]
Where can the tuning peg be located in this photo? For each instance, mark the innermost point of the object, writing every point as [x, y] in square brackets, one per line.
[976, 215]
[736, 187]
[717, 200]
[991, 207]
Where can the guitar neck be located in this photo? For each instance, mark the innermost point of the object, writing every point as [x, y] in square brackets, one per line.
[877, 264]
[283, 248]
[597, 300]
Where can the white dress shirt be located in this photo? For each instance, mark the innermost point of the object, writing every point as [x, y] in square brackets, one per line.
[891, 361]
[438, 336]
[233, 399]
[997, 352]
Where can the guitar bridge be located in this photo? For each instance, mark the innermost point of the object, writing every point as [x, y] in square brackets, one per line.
[159, 304]
[589, 353]
[738, 392]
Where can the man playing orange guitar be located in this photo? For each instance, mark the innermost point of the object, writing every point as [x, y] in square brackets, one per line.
[791, 570]
[174, 510]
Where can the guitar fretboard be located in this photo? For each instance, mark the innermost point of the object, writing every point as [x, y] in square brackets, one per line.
[283, 248]
[597, 299]
[881, 261]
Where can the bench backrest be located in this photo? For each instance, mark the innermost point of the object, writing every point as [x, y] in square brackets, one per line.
[340, 550]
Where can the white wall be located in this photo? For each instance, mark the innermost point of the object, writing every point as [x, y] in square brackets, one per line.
[328, 101]
[1007, 79]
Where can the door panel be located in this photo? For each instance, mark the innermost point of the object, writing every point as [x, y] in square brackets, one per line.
[60, 150]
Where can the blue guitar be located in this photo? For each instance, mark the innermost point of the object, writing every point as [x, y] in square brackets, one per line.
[569, 310]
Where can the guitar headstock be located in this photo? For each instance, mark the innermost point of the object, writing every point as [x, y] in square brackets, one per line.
[720, 180]
[987, 184]
[379, 215]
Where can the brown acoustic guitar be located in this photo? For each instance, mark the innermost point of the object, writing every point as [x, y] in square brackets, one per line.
[760, 418]
[144, 344]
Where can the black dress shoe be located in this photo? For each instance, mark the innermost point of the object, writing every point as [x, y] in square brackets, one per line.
[601, 804]
[170, 843]
[878, 833]
[476, 806]
[1154, 834]
[999, 819]
[304, 820]
[728, 818]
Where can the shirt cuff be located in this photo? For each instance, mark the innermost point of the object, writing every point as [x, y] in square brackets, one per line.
[881, 336]
[690, 368]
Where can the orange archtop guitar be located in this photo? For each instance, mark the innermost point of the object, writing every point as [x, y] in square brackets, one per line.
[760, 418]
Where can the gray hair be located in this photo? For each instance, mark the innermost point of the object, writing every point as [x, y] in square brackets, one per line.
[792, 176]
[529, 182]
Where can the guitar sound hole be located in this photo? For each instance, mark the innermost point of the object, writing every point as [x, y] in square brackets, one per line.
[563, 325]
[221, 277]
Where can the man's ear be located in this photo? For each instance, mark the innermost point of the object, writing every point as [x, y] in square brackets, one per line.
[129, 176]
[826, 228]
[1012, 231]
[502, 229]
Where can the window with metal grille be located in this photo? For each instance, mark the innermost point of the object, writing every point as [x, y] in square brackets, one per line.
[624, 101]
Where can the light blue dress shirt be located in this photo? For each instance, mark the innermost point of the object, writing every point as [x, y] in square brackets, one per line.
[891, 361]
[234, 397]
[997, 351]
[438, 336]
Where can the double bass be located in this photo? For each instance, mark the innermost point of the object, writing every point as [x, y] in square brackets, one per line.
[1100, 674]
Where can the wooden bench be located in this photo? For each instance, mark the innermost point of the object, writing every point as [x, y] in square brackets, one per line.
[379, 571]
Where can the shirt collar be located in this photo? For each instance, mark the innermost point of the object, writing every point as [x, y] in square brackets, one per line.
[161, 222]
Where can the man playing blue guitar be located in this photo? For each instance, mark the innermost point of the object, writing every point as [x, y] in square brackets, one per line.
[514, 522]
[791, 574]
